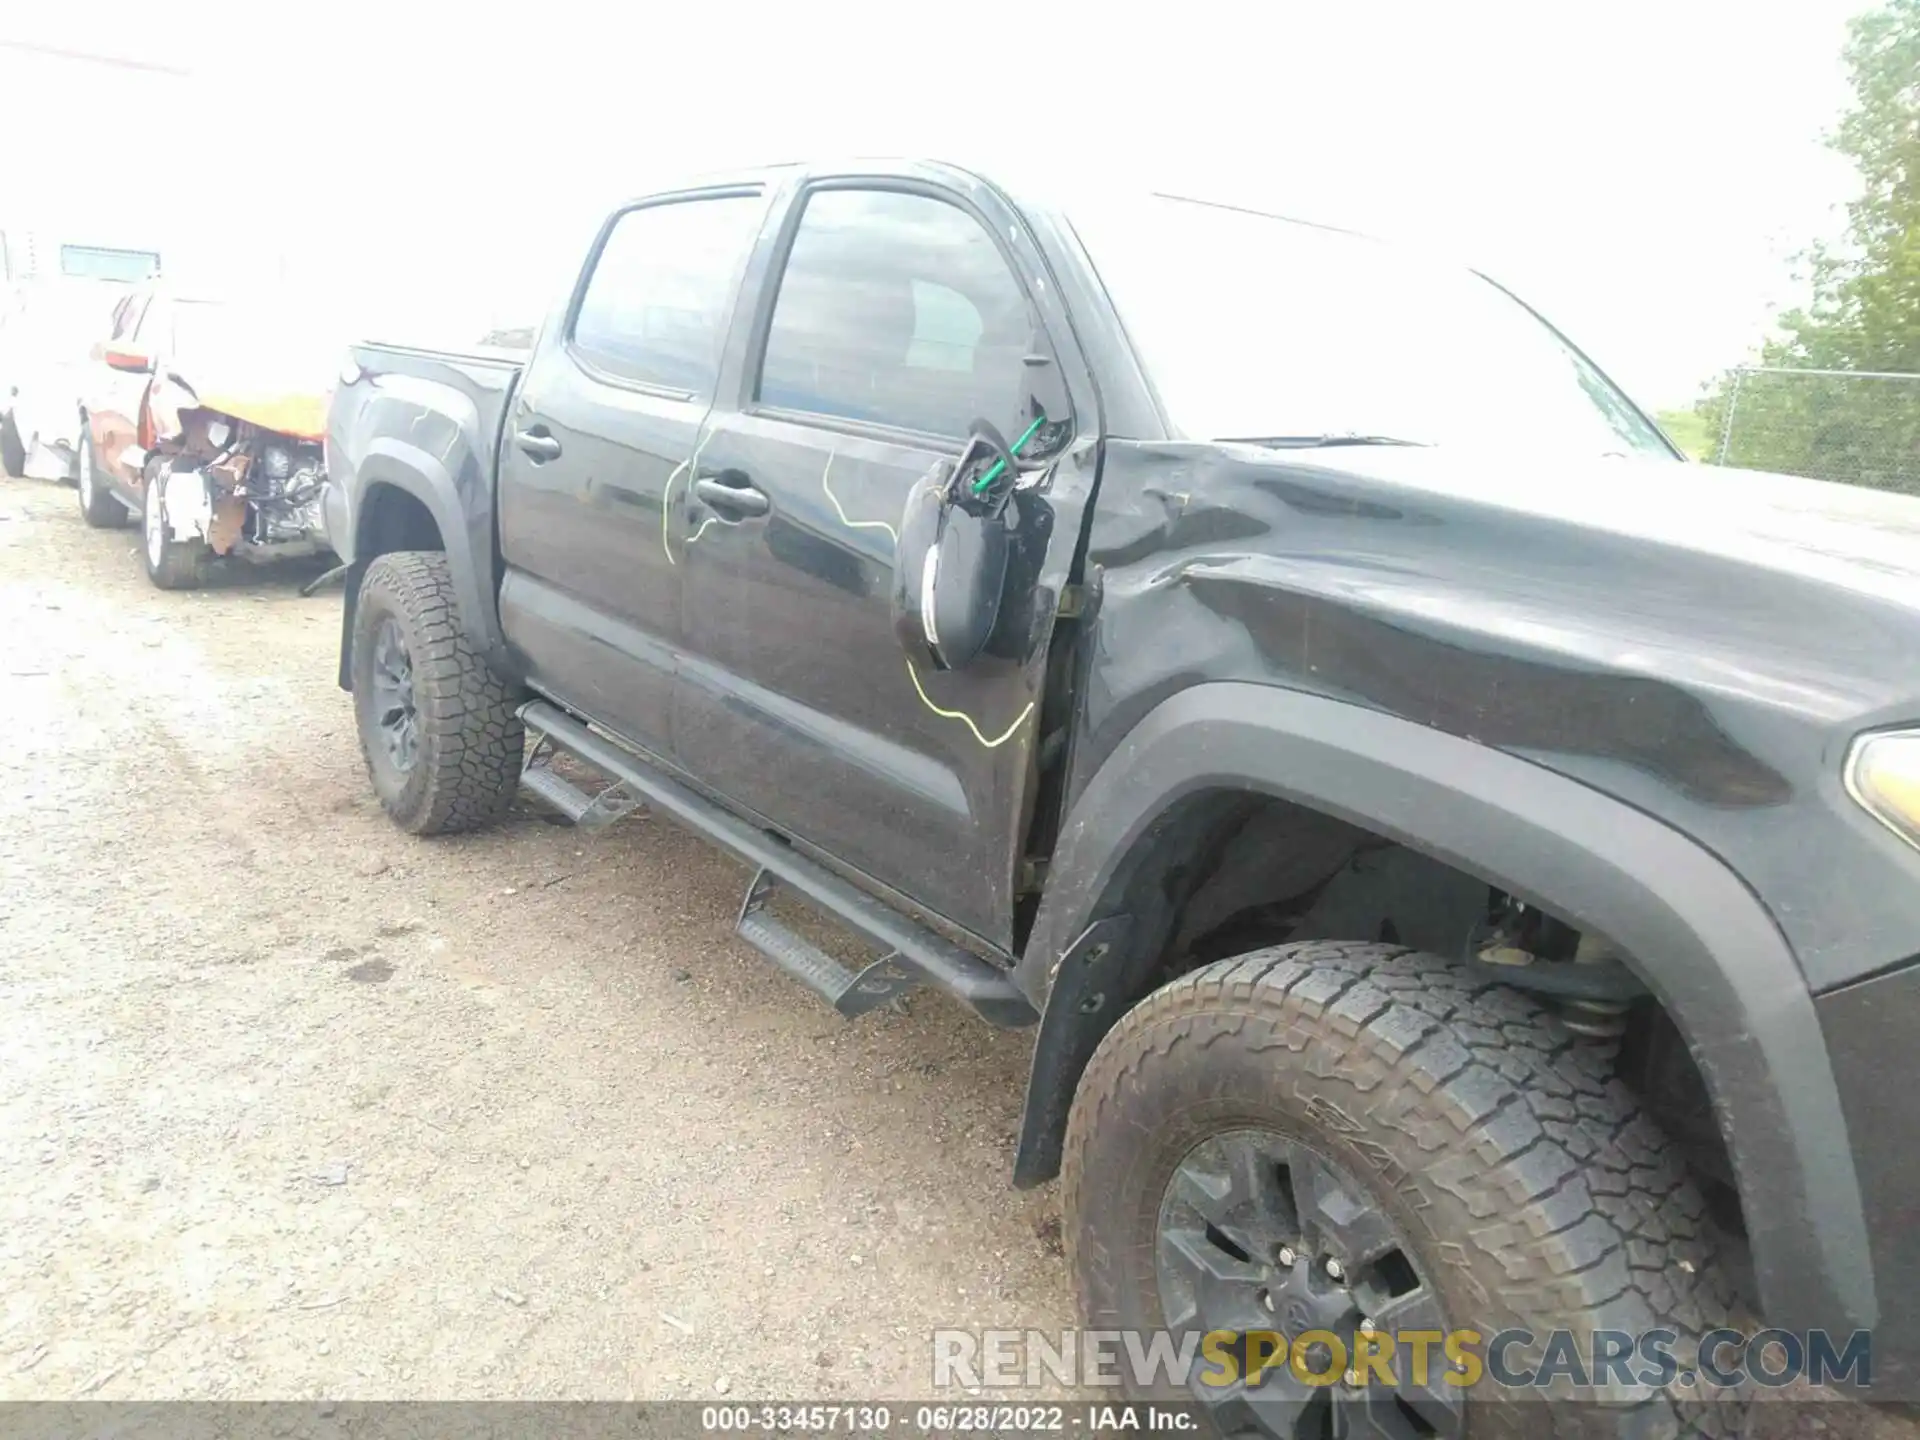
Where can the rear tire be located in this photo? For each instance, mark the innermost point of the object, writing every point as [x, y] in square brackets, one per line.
[13, 454]
[439, 730]
[97, 505]
[1455, 1121]
[171, 564]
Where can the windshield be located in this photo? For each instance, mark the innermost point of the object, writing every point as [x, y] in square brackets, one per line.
[259, 344]
[1253, 327]
[201, 327]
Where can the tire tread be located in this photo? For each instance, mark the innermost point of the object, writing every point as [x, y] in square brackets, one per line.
[472, 738]
[1577, 1200]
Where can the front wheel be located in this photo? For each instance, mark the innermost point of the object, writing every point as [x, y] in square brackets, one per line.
[171, 564]
[440, 731]
[1361, 1142]
[97, 505]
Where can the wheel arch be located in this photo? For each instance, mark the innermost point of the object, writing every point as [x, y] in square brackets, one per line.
[408, 500]
[1706, 948]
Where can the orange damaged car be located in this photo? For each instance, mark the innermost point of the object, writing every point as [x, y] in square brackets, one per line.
[204, 419]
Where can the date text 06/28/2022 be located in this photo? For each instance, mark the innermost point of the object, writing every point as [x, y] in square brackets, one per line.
[959, 1419]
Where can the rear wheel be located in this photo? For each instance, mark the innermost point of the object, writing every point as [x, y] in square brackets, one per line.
[438, 728]
[13, 454]
[171, 564]
[97, 505]
[1359, 1140]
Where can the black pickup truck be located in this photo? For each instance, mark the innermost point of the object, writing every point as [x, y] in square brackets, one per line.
[1462, 861]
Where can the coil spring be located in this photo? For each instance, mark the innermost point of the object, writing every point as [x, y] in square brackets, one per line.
[1604, 1021]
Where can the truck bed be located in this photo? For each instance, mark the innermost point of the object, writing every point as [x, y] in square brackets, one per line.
[486, 375]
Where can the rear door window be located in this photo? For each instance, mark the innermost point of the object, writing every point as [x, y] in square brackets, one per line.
[656, 305]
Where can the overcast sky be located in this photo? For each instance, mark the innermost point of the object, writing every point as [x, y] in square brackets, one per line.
[1641, 171]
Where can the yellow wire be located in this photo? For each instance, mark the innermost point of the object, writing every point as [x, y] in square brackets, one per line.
[666, 493]
[666, 496]
[666, 509]
[892, 534]
[964, 718]
[913, 675]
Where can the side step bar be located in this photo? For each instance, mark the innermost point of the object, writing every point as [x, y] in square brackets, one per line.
[916, 952]
[589, 812]
[849, 993]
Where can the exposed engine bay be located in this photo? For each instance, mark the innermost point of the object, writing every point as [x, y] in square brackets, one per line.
[238, 487]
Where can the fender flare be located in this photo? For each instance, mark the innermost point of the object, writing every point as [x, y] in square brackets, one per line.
[467, 539]
[1703, 943]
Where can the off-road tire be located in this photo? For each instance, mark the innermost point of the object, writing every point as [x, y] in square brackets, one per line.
[13, 454]
[470, 740]
[170, 564]
[97, 505]
[1534, 1190]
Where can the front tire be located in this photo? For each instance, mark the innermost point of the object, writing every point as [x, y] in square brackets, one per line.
[171, 564]
[439, 730]
[97, 505]
[1458, 1156]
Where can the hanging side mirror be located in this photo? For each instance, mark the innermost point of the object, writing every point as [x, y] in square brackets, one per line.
[950, 563]
[961, 524]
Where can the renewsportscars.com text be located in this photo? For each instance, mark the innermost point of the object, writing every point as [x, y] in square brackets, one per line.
[1599, 1360]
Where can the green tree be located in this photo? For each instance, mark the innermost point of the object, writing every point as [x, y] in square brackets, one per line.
[1689, 430]
[1864, 311]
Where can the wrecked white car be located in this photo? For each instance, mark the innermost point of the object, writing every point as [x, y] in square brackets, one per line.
[45, 329]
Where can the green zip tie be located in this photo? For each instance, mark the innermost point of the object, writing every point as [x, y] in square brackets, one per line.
[994, 474]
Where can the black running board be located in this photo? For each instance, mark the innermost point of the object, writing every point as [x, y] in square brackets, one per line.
[852, 993]
[589, 812]
[912, 948]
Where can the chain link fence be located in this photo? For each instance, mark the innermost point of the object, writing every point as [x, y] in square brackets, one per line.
[1855, 426]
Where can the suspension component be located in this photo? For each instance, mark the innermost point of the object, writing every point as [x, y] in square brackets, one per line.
[1581, 976]
[1604, 1020]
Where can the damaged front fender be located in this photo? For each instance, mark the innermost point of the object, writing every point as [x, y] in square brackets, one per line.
[1580, 696]
[1523, 829]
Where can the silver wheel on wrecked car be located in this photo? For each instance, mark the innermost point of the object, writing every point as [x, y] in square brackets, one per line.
[97, 505]
[172, 564]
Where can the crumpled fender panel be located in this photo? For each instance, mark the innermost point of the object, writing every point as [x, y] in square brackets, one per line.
[1641, 733]
[1698, 938]
[1711, 691]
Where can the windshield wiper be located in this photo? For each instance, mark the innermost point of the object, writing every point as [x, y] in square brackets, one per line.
[1317, 442]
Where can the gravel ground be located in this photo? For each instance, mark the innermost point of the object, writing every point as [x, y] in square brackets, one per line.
[296, 1106]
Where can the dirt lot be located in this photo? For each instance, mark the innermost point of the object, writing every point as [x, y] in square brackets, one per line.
[295, 1106]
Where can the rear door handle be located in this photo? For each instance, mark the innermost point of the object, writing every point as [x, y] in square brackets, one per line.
[537, 444]
[740, 500]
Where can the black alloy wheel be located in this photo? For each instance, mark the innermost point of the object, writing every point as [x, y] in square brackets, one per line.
[394, 707]
[1260, 1233]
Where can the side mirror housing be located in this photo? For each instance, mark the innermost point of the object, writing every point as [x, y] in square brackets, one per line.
[954, 552]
